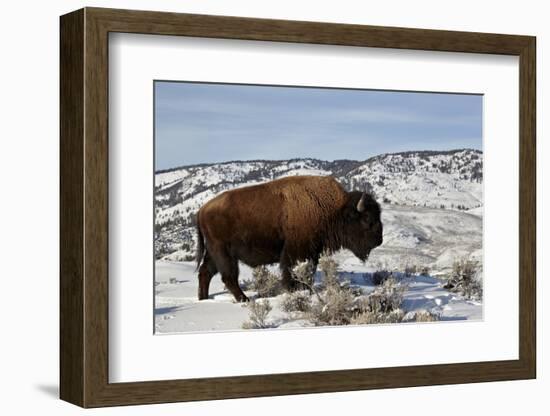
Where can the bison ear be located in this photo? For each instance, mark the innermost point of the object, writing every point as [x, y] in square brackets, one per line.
[361, 203]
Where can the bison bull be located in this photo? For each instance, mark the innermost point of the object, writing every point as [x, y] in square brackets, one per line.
[283, 221]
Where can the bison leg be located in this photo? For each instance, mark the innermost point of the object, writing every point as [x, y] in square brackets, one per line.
[289, 282]
[232, 284]
[206, 271]
[286, 265]
[229, 269]
[314, 263]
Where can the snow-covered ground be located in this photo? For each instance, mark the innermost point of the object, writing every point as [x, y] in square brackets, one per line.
[413, 236]
[436, 238]
[432, 212]
[178, 310]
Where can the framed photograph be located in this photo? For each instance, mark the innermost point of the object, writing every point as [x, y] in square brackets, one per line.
[255, 207]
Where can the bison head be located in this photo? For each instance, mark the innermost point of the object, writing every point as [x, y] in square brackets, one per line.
[362, 224]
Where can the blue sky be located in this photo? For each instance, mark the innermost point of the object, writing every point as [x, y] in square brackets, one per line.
[205, 123]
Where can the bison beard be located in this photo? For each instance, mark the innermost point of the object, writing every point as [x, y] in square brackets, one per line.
[283, 221]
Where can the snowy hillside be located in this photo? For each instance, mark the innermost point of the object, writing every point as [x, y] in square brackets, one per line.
[431, 210]
[447, 181]
[450, 180]
[177, 309]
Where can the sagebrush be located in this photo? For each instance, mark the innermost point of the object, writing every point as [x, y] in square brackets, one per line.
[369, 318]
[332, 301]
[334, 306]
[383, 306]
[258, 311]
[421, 315]
[410, 270]
[465, 279]
[329, 267]
[425, 271]
[296, 302]
[386, 298]
[265, 283]
[379, 276]
[304, 274]
[340, 304]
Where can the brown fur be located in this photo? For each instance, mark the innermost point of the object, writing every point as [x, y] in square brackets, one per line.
[285, 221]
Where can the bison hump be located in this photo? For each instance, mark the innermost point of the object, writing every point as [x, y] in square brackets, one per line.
[309, 203]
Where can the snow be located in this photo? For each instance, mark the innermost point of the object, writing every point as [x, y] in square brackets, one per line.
[476, 211]
[432, 212]
[178, 310]
[427, 237]
[426, 293]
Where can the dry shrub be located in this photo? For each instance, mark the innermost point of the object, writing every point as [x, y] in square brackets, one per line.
[466, 279]
[265, 283]
[421, 315]
[393, 317]
[369, 317]
[329, 267]
[246, 284]
[381, 264]
[382, 306]
[378, 277]
[296, 302]
[257, 314]
[386, 297]
[410, 270]
[335, 303]
[304, 274]
[339, 304]
[334, 306]
[356, 291]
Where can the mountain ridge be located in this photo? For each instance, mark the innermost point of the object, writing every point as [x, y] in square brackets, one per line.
[195, 165]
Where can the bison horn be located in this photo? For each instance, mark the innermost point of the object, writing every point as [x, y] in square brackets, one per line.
[361, 203]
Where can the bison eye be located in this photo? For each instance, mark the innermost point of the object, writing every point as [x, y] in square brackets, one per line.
[368, 222]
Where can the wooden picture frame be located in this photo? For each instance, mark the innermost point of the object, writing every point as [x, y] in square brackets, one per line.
[84, 207]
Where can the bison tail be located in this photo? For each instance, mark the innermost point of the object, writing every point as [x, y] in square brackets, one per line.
[200, 246]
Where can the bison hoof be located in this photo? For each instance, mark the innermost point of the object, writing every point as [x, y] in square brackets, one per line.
[242, 299]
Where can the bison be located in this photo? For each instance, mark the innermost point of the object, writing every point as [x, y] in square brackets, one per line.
[283, 221]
